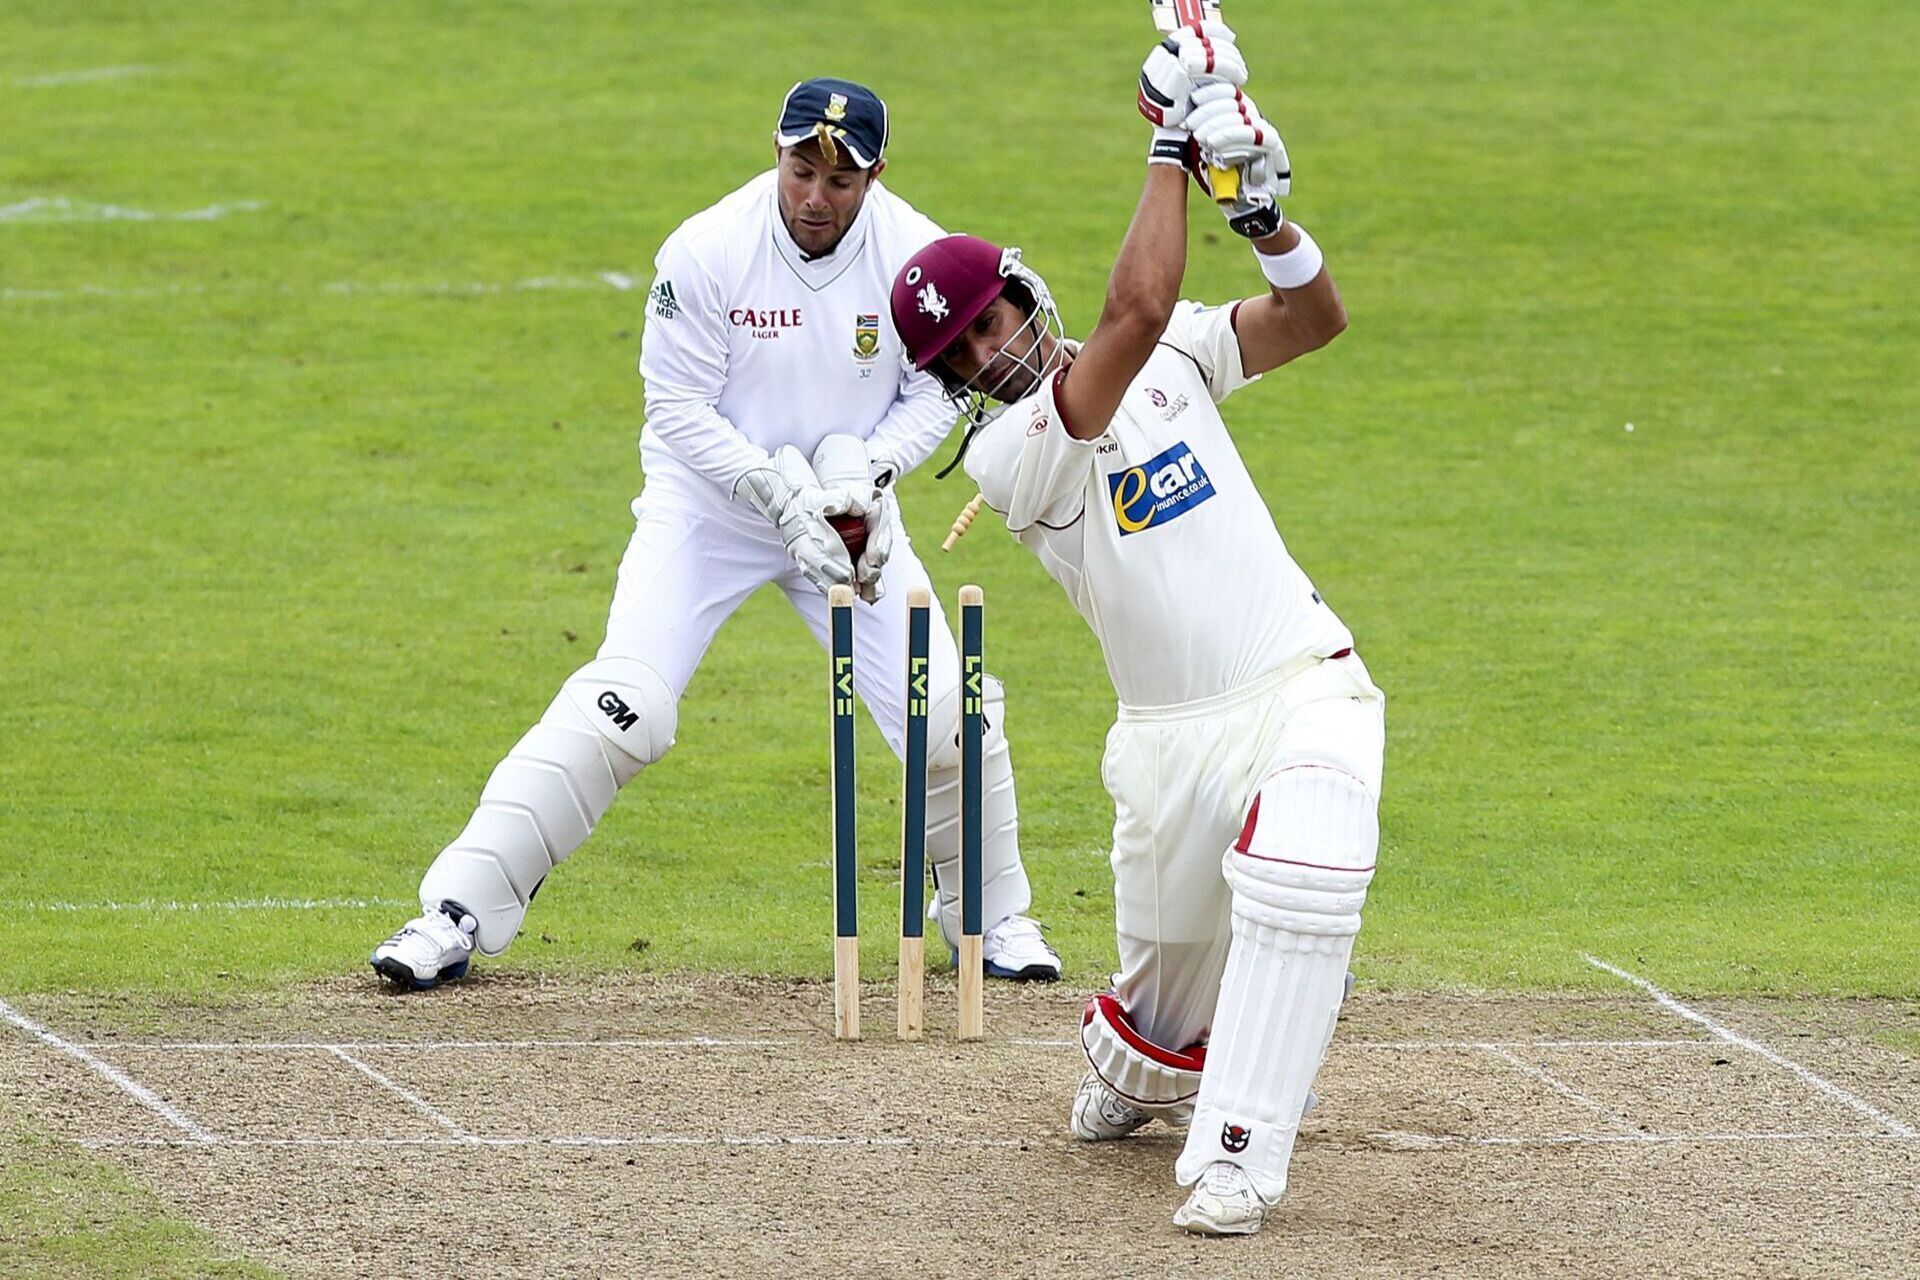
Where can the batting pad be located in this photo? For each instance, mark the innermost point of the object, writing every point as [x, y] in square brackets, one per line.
[612, 718]
[1299, 875]
[1149, 1076]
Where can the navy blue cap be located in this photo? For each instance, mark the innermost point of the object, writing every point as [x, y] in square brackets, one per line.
[851, 115]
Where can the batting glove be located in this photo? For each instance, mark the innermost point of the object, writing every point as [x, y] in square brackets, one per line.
[1187, 58]
[1230, 131]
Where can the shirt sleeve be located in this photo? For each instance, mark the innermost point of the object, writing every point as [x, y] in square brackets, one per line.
[1206, 334]
[1028, 467]
[683, 363]
[914, 427]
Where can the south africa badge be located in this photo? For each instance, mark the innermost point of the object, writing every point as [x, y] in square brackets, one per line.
[866, 341]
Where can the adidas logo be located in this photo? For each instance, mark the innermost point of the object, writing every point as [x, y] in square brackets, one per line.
[665, 305]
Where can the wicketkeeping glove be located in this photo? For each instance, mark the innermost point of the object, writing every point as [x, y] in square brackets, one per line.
[855, 487]
[789, 494]
[1230, 131]
[1187, 58]
[866, 573]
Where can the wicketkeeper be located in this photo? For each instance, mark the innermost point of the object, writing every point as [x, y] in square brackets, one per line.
[776, 398]
[1245, 764]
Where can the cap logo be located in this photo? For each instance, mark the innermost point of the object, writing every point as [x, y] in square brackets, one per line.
[836, 106]
[931, 303]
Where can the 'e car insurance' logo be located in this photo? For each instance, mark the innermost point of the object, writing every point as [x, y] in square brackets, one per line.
[1158, 489]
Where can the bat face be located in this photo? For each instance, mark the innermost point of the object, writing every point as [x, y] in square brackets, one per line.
[1168, 14]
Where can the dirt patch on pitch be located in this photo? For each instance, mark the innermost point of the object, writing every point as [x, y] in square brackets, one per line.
[712, 1127]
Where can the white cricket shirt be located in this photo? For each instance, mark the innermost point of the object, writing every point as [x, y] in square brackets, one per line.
[1155, 528]
[750, 345]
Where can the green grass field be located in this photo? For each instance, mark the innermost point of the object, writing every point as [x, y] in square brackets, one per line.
[307, 509]
[298, 532]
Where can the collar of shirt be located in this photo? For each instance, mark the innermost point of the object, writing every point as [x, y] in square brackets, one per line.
[828, 267]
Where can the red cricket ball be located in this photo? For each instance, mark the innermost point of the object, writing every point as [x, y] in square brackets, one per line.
[852, 531]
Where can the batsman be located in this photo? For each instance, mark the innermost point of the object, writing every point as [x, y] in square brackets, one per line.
[1245, 762]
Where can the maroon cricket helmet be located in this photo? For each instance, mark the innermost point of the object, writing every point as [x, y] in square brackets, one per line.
[941, 290]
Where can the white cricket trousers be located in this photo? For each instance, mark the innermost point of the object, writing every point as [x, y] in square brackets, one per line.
[1182, 778]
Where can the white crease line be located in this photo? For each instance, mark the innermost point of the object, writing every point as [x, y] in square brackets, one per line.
[412, 1099]
[1564, 1090]
[643, 1140]
[236, 904]
[718, 1042]
[618, 281]
[127, 1084]
[101, 291]
[40, 209]
[87, 75]
[1897, 1127]
[1422, 1141]
[1493, 1046]
[402, 1046]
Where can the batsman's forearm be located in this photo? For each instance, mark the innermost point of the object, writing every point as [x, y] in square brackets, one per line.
[1314, 308]
[1145, 283]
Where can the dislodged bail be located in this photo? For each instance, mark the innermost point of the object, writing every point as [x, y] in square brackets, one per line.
[828, 148]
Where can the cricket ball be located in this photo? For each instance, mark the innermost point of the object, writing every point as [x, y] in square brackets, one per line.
[852, 531]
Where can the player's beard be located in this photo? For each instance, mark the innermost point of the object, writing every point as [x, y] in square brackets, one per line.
[1016, 369]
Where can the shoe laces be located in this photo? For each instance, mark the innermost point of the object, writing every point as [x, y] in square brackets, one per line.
[1017, 928]
[1224, 1179]
[435, 925]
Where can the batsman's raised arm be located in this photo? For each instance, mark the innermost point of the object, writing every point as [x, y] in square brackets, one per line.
[1145, 282]
[1301, 311]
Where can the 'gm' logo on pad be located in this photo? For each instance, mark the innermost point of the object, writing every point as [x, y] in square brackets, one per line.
[1158, 489]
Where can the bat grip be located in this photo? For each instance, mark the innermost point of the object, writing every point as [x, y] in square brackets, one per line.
[1225, 184]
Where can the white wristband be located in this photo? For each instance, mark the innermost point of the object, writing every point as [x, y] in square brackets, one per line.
[1296, 267]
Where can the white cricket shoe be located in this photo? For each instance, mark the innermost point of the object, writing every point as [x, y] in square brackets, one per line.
[1014, 950]
[432, 948]
[1100, 1114]
[1223, 1203]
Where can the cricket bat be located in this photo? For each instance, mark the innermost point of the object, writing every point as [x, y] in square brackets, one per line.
[1167, 15]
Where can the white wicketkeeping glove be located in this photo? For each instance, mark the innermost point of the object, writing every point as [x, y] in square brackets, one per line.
[1230, 131]
[880, 519]
[789, 495]
[854, 486]
[1186, 59]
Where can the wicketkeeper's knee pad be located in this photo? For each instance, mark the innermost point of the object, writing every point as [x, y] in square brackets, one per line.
[1149, 1076]
[612, 718]
[1306, 853]
[1004, 888]
[943, 725]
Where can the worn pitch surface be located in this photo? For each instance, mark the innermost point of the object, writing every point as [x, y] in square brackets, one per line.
[713, 1126]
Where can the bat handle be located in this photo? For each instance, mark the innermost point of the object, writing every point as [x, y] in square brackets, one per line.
[1225, 184]
[963, 521]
